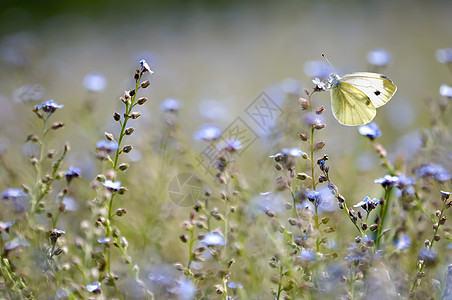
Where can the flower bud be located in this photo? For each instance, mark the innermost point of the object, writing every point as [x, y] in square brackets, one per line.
[142, 100]
[145, 84]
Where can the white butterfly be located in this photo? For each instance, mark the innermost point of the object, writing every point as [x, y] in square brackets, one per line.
[356, 96]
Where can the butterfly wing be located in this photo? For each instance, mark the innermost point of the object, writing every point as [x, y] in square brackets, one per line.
[377, 87]
[350, 105]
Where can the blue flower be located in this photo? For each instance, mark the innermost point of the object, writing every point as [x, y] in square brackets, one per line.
[213, 239]
[72, 173]
[319, 85]
[49, 106]
[16, 243]
[444, 56]
[387, 180]
[113, 186]
[295, 152]
[106, 146]
[233, 285]
[403, 242]
[370, 130]
[231, 145]
[145, 67]
[445, 91]
[170, 105]
[313, 196]
[445, 195]
[429, 255]
[94, 287]
[208, 133]
[95, 82]
[368, 203]
[379, 57]
[436, 171]
[312, 119]
[12, 193]
[307, 255]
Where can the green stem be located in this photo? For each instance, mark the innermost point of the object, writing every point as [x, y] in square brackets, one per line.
[384, 212]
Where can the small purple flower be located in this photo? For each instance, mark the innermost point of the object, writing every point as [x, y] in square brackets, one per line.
[444, 56]
[145, 67]
[294, 152]
[113, 186]
[370, 130]
[403, 242]
[49, 106]
[72, 173]
[16, 243]
[313, 119]
[429, 255]
[233, 285]
[436, 171]
[95, 82]
[18, 198]
[379, 57]
[4, 226]
[170, 105]
[368, 203]
[208, 133]
[107, 146]
[12, 193]
[319, 85]
[445, 91]
[231, 145]
[213, 239]
[387, 180]
[307, 255]
[94, 287]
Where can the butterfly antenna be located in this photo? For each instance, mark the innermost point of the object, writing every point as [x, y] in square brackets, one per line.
[323, 55]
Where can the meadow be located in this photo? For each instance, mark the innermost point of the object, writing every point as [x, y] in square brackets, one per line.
[188, 150]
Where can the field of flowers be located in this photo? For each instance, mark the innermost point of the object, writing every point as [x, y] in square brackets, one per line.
[190, 152]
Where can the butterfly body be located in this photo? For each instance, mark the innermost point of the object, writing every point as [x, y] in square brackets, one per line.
[356, 96]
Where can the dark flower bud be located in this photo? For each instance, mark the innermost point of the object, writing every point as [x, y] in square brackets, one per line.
[322, 178]
[437, 237]
[442, 220]
[51, 153]
[183, 238]
[142, 100]
[120, 212]
[136, 76]
[319, 126]
[303, 136]
[116, 116]
[127, 148]
[145, 84]
[129, 131]
[364, 226]
[58, 251]
[373, 227]
[319, 145]
[270, 213]
[123, 166]
[278, 167]
[57, 125]
[132, 93]
[319, 110]
[303, 176]
[135, 115]
[109, 136]
[306, 91]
